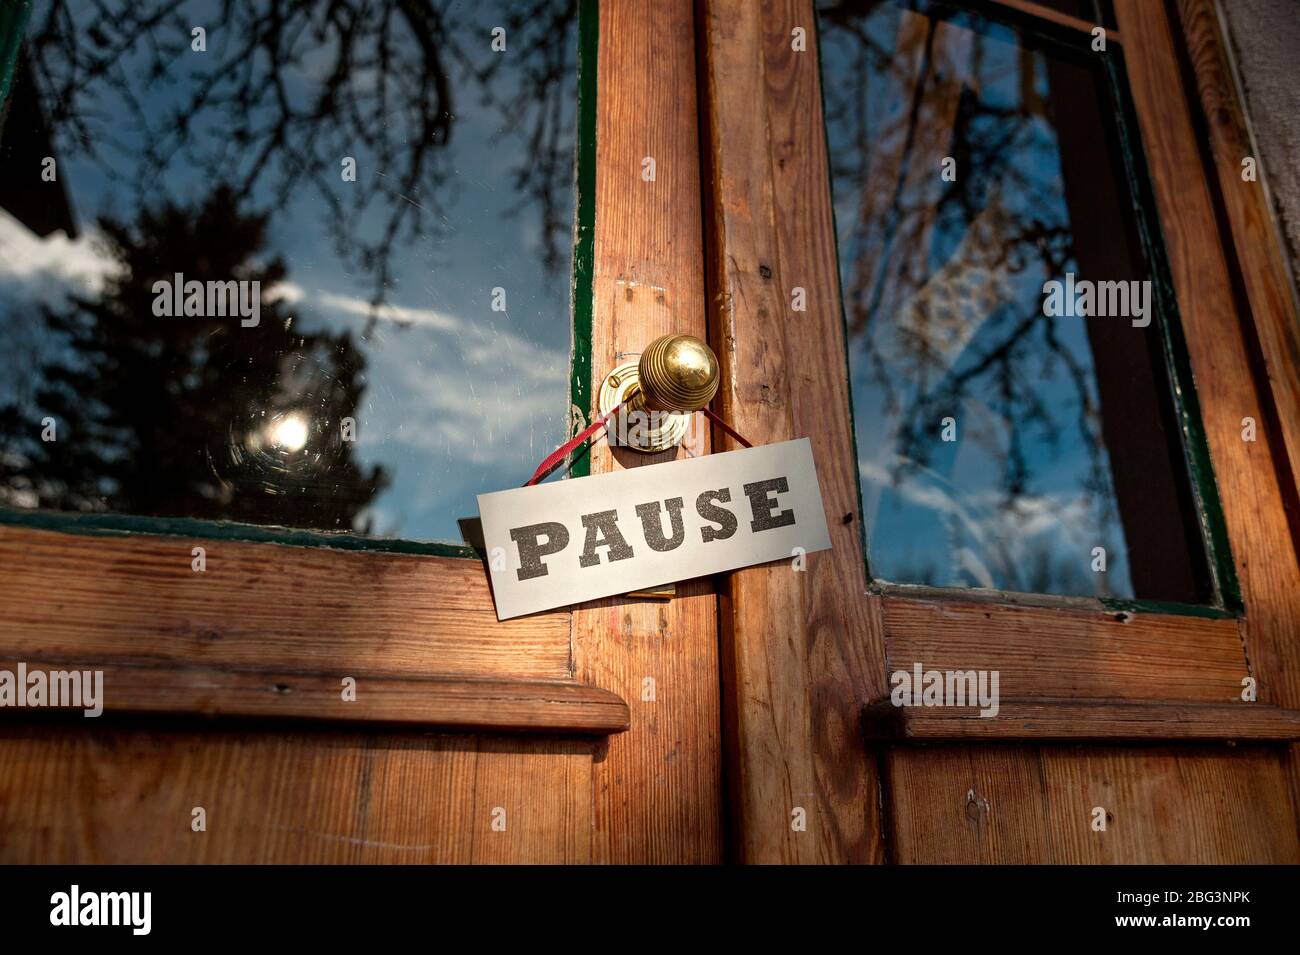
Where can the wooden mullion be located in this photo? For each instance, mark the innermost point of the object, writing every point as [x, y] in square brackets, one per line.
[657, 789]
[802, 650]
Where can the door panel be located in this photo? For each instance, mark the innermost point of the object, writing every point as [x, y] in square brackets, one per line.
[757, 704]
[223, 684]
[109, 794]
[1063, 660]
[1029, 804]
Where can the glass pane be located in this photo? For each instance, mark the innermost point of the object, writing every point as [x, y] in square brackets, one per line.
[1001, 439]
[289, 263]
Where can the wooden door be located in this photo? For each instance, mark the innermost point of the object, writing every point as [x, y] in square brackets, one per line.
[287, 688]
[891, 184]
[284, 688]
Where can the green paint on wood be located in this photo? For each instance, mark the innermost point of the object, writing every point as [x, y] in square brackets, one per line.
[1196, 449]
[13, 21]
[128, 525]
[584, 232]
[123, 525]
[1167, 607]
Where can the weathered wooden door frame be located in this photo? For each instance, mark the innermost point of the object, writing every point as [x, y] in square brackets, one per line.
[804, 654]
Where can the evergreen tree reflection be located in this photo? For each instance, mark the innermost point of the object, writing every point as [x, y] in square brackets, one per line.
[129, 391]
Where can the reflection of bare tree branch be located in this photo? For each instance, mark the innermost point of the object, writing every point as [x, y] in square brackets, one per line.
[917, 96]
[298, 84]
[540, 83]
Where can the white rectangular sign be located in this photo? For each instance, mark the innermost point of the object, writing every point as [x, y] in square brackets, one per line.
[562, 543]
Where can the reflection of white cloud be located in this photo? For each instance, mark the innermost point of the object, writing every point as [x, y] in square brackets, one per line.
[927, 490]
[469, 391]
[974, 567]
[989, 542]
[350, 305]
[36, 272]
[53, 265]
[442, 385]
[983, 512]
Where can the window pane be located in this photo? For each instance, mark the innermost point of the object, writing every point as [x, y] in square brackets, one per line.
[399, 187]
[1001, 440]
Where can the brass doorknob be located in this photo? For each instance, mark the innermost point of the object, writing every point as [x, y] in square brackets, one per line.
[676, 377]
[677, 373]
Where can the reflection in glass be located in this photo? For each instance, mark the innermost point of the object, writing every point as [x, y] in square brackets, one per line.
[390, 189]
[998, 447]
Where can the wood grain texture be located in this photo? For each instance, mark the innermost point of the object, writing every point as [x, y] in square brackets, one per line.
[102, 794]
[1193, 805]
[1055, 652]
[657, 789]
[1028, 804]
[960, 805]
[1083, 720]
[1255, 238]
[1273, 328]
[1020, 804]
[1247, 472]
[803, 650]
[514, 705]
[1219, 333]
[998, 803]
[135, 599]
[270, 630]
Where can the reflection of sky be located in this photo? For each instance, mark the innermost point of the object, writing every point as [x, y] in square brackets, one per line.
[460, 398]
[951, 522]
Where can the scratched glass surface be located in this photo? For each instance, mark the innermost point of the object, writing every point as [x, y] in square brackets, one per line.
[1064, 434]
[410, 346]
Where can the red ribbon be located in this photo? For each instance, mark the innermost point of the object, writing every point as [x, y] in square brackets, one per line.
[559, 454]
[554, 459]
[725, 427]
